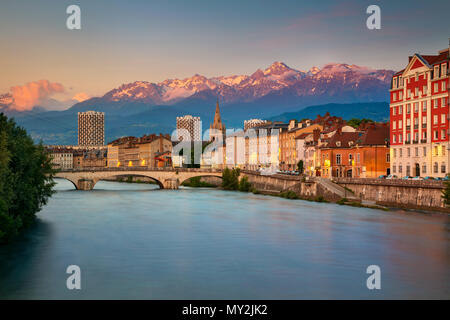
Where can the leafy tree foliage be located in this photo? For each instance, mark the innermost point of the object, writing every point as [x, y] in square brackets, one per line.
[300, 167]
[355, 123]
[446, 193]
[26, 179]
[230, 179]
[244, 185]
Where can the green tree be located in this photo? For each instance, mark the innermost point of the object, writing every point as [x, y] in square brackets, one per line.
[300, 166]
[446, 193]
[230, 179]
[355, 122]
[244, 185]
[26, 179]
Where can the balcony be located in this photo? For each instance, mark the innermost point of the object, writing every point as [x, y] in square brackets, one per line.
[408, 127]
[423, 141]
[407, 142]
[416, 126]
[415, 141]
[424, 125]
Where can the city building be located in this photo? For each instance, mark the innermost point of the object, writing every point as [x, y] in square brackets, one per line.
[251, 123]
[192, 124]
[90, 158]
[150, 151]
[359, 154]
[91, 128]
[419, 117]
[61, 158]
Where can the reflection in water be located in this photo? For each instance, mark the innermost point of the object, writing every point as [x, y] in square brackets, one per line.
[132, 241]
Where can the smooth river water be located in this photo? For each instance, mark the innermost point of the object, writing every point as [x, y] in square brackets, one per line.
[132, 242]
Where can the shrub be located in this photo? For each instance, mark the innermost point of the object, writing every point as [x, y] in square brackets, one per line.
[289, 195]
[230, 179]
[244, 185]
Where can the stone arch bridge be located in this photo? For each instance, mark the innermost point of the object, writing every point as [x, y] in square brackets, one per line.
[166, 178]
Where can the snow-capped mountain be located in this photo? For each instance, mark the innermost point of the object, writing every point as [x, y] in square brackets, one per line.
[331, 80]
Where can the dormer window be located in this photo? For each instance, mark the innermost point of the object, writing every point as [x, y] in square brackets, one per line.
[395, 83]
[338, 143]
[350, 143]
[444, 69]
[436, 72]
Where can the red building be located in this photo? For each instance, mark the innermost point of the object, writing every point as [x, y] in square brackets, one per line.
[419, 117]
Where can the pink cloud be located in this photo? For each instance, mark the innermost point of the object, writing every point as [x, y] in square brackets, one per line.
[81, 96]
[33, 93]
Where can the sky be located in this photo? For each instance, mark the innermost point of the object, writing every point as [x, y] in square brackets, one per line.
[153, 40]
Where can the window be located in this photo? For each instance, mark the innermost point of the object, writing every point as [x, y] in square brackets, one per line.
[442, 167]
[416, 91]
[393, 111]
[357, 157]
[443, 118]
[416, 136]
[424, 135]
[443, 85]
[408, 122]
[436, 87]
[400, 138]
[408, 108]
[424, 151]
[400, 124]
[444, 102]
[435, 167]
[400, 109]
[338, 159]
[408, 150]
[435, 103]
[394, 167]
[350, 158]
[394, 138]
[435, 119]
[416, 107]
[400, 168]
[408, 170]
[417, 151]
[395, 83]
[436, 135]
[444, 70]
[424, 168]
[408, 93]
[394, 125]
[443, 135]
[425, 89]
[424, 120]
[400, 152]
[394, 96]
[400, 95]
[424, 106]
[395, 153]
[408, 137]
[388, 157]
[436, 72]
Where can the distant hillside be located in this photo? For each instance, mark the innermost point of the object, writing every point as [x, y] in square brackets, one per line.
[377, 111]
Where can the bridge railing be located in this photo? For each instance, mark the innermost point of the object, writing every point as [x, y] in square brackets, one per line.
[127, 169]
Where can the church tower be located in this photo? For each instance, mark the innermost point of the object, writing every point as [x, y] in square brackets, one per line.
[217, 125]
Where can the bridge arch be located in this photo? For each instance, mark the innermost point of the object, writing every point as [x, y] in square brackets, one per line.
[159, 183]
[184, 179]
[67, 179]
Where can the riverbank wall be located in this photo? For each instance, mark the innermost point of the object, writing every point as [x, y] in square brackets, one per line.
[409, 194]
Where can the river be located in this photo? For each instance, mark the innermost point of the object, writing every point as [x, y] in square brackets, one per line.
[133, 242]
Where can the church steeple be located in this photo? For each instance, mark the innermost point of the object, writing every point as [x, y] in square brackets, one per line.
[217, 124]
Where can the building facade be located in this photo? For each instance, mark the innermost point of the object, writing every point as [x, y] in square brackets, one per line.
[91, 128]
[61, 158]
[419, 117]
[251, 123]
[192, 124]
[151, 151]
